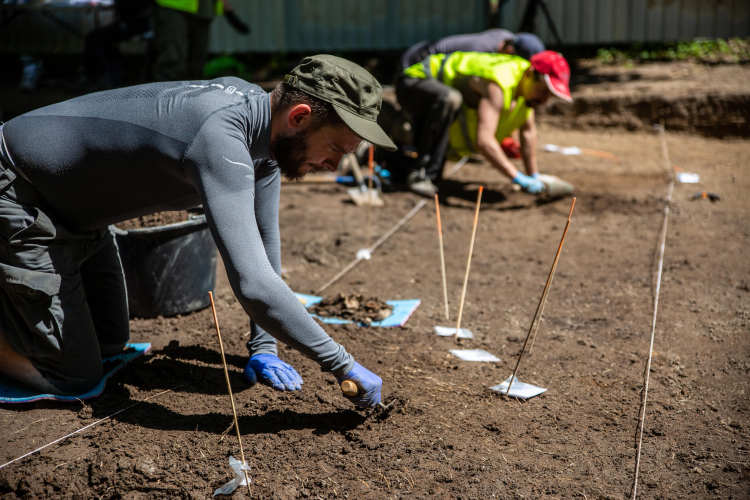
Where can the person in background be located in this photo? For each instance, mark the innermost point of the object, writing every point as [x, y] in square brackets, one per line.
[434, 105]
[102, 60]
[181, 36]
[499, 94]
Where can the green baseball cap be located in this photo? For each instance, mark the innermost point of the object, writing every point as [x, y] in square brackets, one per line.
[354, 93]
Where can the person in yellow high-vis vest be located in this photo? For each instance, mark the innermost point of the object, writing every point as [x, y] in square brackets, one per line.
[181, 36]
[499, 93]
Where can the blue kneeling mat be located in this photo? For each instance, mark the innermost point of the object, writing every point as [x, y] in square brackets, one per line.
[402, 311]
[12, 391]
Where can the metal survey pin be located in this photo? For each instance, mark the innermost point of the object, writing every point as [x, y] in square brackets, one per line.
[350, 389]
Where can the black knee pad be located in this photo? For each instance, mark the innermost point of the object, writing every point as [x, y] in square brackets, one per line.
[73, 375]
[108, 350]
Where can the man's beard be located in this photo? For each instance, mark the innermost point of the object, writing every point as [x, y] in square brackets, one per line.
[290, 153]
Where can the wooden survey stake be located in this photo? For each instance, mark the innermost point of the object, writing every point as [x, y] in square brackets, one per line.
[229, 388]
[468, 262]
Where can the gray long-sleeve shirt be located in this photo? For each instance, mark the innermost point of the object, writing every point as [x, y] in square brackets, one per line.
[486, 41]
[119, 154]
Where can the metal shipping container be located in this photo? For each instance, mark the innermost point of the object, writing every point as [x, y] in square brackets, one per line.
[356, 25]
[607, 22]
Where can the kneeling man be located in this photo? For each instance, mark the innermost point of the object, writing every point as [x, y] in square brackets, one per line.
[495, 95]
[69, 170]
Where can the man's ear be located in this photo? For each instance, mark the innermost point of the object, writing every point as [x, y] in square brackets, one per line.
[298, 116]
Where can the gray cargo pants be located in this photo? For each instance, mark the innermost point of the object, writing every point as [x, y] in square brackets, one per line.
[63, 302]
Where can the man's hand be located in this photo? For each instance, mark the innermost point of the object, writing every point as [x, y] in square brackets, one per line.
[272, 371]
[369, 386]
[530, 184]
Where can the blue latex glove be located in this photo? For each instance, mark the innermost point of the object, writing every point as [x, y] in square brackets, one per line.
[368, 383]
[529, 184]
[272, 371]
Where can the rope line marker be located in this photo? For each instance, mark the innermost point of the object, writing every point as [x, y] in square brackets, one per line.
[390, 232]
[87, 427]
[660, 268]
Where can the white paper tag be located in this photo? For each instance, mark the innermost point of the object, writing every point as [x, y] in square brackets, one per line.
[519, 389]
[364, 253]
[444, 331]
[571, 151]
[474, 355]
[239, 479]
[553, 148]
[687, 177]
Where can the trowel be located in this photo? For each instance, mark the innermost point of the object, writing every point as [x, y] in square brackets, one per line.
[360, 194]
[555, 187]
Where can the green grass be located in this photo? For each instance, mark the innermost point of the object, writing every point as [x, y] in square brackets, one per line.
[730, 51]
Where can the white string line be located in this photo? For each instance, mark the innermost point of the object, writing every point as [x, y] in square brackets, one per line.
[395, 228]
[88, 426]
[662, 245]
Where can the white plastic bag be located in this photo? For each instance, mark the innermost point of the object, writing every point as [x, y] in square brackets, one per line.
[238, 468]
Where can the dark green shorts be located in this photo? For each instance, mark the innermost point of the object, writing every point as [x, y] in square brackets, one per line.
[63, 301]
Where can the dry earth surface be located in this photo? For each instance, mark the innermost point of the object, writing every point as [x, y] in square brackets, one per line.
[449, 436]
[711, 100]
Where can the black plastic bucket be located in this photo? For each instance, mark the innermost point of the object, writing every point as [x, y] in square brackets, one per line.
[169, 269]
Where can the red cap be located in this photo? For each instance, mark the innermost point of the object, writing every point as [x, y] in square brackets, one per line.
[556, 72]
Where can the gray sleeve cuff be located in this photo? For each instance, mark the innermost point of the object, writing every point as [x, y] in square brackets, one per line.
[261, 342]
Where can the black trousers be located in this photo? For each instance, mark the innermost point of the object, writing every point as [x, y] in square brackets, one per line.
[433, 106]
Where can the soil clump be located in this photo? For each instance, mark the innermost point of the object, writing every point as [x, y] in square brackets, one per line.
[354, 307]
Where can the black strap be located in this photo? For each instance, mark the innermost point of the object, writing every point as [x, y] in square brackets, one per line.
[441, 71]
[465, 129]
[426, 67]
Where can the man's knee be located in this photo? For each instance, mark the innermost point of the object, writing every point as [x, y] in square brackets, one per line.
[71, 376]
[452, 100]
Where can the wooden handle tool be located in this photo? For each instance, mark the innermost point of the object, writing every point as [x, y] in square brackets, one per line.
[349, 388]
[352, 390]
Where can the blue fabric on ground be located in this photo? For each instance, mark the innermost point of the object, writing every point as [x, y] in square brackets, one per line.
[402, 311]
[12, 391]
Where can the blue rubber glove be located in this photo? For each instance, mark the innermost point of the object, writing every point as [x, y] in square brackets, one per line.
[535, 175]
[368, 383]
[529, 184]
[272, 371]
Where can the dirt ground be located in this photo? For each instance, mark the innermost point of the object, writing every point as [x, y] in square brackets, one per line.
[154, 220]
[449, 436]
[711, 100]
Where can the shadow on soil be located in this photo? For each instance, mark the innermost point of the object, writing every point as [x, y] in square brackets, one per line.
[463, 194]
[155, 416]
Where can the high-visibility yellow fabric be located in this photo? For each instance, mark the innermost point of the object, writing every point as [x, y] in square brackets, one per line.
[183, 5]
[503, 69]
[190, 6]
